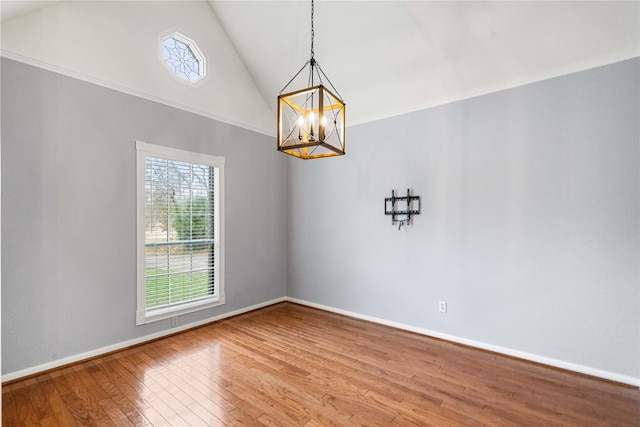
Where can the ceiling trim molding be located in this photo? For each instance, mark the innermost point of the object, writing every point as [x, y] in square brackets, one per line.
[129, 91]
[523, 81]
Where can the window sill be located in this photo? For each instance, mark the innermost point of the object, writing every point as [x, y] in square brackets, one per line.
[155, 314]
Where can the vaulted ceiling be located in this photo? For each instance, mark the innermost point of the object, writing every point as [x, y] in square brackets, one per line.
[384, 57]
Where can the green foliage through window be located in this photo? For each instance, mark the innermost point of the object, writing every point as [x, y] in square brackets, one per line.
[192, 219]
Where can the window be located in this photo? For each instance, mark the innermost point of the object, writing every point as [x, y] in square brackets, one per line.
[180, 232]
[183, 57]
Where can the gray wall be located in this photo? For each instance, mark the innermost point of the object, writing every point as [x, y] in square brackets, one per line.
[69, 213]
[529, 226]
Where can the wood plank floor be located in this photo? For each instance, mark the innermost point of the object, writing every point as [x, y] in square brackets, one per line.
[289, 365]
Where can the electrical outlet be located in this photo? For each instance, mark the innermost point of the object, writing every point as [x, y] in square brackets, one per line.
[442, 306]
[174, 322]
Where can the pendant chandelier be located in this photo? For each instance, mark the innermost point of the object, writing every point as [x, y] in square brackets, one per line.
[311, 120]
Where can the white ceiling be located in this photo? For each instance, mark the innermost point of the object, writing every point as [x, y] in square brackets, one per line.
[391, 57]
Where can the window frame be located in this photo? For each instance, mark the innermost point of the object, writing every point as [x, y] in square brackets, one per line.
[144, 315]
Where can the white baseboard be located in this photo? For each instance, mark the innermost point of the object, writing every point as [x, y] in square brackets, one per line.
[612, 376]
[122, 345]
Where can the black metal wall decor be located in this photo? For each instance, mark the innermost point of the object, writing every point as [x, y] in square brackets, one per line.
[401, 208]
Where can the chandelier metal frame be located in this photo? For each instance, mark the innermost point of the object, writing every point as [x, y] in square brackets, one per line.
[311, 121]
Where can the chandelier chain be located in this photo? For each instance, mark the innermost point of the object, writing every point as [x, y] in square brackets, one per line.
[312, 32]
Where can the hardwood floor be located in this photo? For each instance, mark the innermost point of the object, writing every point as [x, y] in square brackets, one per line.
[289, 365]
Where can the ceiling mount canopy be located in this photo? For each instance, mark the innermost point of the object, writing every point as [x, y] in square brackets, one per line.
[311, 121]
